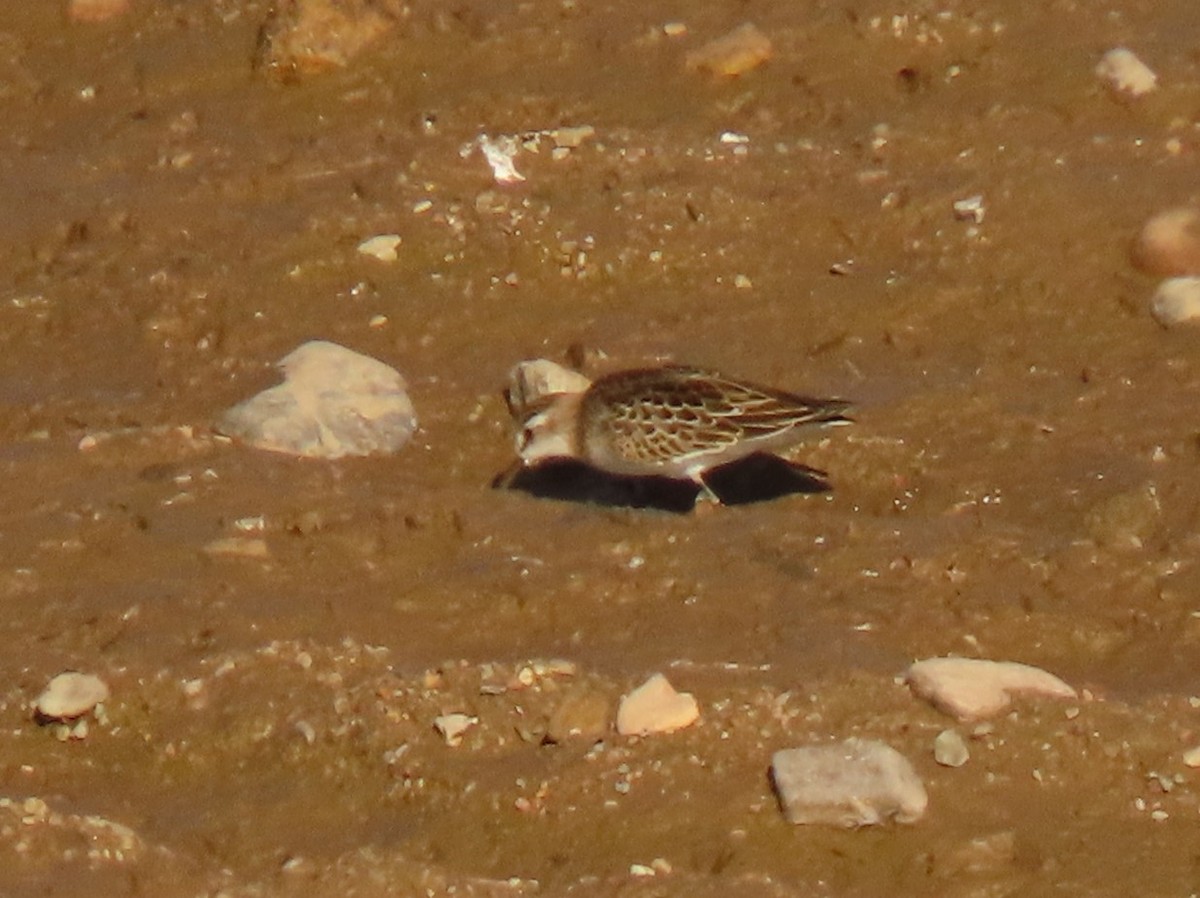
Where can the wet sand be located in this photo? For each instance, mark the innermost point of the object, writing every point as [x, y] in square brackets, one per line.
[1019, 483]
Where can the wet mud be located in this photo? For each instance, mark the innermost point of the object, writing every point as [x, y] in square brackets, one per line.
[279, 635]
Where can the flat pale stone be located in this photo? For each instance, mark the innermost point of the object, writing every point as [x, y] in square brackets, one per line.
[382, 247]
[859, 782]
[70, 695]
[1191, 757]
[1122, 71]
[655, 707]
[334, 402]
[735, 53]
[970, 688]
[238, 547]
[453, 726]
[96, 10]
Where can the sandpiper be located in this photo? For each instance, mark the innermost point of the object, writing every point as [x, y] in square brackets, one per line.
[673, 421]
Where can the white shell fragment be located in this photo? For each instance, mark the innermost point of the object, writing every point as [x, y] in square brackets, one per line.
[1176, 301]
[950, 750]
[859, 782]
[531, 381]
[1122, 71]
[499, 153]
[970, 209]
[333, 402]
[970, 688]
[655, 707]
[453, 726]
[382, 247]
[70, 695]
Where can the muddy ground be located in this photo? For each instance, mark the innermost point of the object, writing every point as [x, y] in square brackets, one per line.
[1020, 484]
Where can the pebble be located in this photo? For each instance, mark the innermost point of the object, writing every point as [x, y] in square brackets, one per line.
[381, 246]
[1125, 520]
[1191, 757]
[969, 688]
[529, 382]
[70, 695]
[319, 35]
[1169, 243]
[238, 547]
[1176, 301]
[859, 782]
[453, 726]
[950, 749]
[334, 402]
[1124, 73]
[582, 714]
[741, 50]
[655, 707]
[96, 10]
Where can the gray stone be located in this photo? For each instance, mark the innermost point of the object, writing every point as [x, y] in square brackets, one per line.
[334, 402]
[858, 782]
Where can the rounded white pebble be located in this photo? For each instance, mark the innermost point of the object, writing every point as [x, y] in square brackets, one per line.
[1191, 757]
[70, 695]
[950, 750]
[1122, 71]
[1177, 300]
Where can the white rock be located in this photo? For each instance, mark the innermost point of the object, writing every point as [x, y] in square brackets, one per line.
[950, 750]
[382, 247]
[70, 695]
[453, 726]
[858, 782]
[333, 402]
[1122, 71]
[655, 707]
[1177, 300]
[969, 688]
[531, 381]
[1191, 757]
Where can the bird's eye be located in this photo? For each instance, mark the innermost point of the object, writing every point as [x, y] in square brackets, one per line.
[524, 438]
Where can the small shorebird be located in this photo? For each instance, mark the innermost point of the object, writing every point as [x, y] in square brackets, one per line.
[673, 421]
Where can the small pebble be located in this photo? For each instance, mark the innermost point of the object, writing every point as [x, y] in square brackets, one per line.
[582, 714]
[453, 726]
[741, 50]
[859, 782]
[970, 688]
[381, 247]
[1124, 73]
[1169, 243]
[655, 707]
[950, 750]
[70, 695]
[1176, 301]
[531, 381]
[1191, 757]
[96, 10]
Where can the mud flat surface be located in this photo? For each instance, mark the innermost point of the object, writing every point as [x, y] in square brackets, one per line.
[279, 636]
